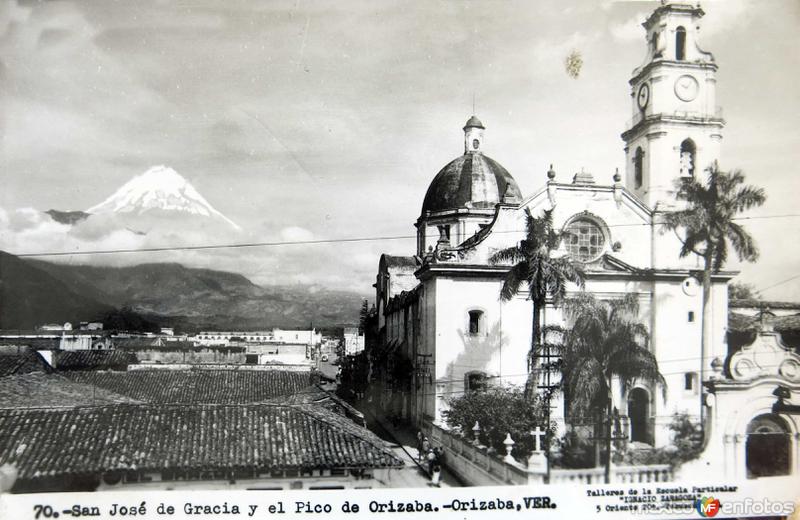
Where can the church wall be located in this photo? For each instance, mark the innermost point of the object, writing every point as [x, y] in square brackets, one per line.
[427, 348]
[676, 343]
[667, 247]
[497, 350]
[624, 222]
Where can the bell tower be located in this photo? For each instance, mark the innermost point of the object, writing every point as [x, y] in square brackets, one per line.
[676, 127]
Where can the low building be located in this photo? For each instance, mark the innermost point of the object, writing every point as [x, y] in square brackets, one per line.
[22, 359]
[168, 446]
[198, 429]
[199, 386]
[353, 341]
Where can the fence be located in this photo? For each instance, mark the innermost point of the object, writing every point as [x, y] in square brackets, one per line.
[476, 466]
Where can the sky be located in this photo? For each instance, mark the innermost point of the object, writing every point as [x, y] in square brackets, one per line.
[321, 120]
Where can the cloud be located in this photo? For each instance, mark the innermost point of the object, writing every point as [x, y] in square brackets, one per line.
[727, 15]
[630, 30]
[296, 234]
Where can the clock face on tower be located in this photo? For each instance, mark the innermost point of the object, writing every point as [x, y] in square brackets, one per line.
[643, 97]
[686, 88]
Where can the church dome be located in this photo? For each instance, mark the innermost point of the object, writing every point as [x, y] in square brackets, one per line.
[472, 180]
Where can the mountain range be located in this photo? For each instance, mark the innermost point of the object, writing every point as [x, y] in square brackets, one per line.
[164, 206]
[158, 197]
[33, 292]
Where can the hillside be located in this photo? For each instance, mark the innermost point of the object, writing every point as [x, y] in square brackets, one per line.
[191, 298]
[30, 296]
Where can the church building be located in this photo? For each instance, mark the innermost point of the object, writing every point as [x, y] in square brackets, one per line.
[443, 329]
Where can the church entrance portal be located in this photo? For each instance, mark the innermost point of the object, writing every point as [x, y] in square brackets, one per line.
[768, 447]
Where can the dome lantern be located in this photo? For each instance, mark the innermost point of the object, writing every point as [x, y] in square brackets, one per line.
[473, 135]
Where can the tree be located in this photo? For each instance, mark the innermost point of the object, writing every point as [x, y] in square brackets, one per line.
[741, 291]
[542, 274]
[709, 230]
[604, 343]
[363, 316]
[498, 410]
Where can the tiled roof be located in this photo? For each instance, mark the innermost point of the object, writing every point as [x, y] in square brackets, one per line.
[328, 400]
[93, 359]
[761, 304]
[743, 323]
[21, 360]
[137, 342]
[400, 261]
[197, 386]
[36, 390]
[150, 438]
[34, 343]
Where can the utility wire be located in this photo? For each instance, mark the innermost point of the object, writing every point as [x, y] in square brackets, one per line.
[779, 283]
[316, 242]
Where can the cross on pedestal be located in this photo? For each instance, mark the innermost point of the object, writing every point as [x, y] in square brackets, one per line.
[537, 434]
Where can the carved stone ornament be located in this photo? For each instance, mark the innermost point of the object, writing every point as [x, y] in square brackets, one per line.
[766, 356]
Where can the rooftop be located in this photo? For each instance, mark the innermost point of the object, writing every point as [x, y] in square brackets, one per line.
[151, 438]
[94, 359]
[763, 304]
[20, 359]
[198, 386]
[38, 390]
[471, 181]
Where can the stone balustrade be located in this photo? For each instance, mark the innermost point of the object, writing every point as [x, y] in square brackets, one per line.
[474, 465]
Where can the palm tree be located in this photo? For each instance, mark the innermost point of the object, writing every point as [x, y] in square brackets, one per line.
[604, 343]
[710, 230]
[541, 273]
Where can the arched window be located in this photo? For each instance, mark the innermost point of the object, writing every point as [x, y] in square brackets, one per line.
[688, 153]
[475, 381]
[768, 447]
[639, 415]
[690, 382]
[476, 322]
[680, 44]
[638, 163]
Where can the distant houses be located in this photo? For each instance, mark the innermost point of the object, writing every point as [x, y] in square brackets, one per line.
[103, 419]
[86, 409]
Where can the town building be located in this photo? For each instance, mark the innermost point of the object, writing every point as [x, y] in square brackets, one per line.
[443, 330]
[353, 341]
[84, 430]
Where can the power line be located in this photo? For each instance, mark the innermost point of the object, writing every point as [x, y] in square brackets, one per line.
[779, 283]
[316, 242]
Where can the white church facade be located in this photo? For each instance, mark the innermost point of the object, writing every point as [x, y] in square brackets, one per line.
[439, 311]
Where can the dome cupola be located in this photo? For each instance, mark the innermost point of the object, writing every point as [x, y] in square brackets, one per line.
[462, 197]
[472, 180]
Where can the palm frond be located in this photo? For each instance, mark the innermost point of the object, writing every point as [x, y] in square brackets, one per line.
[742, 242]
[516, 276]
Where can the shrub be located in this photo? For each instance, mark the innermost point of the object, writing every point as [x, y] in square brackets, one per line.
[499, 410]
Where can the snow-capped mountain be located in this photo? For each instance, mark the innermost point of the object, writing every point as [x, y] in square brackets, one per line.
[160, 189]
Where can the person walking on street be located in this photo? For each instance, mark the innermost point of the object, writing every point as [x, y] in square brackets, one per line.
[434, 466]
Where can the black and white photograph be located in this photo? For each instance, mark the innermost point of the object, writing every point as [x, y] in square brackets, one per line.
[292, 246]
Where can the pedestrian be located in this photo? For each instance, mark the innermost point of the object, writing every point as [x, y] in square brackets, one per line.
[426, 445]
[435, 467]
[436, 475]
[419, 445]
[430, 460]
